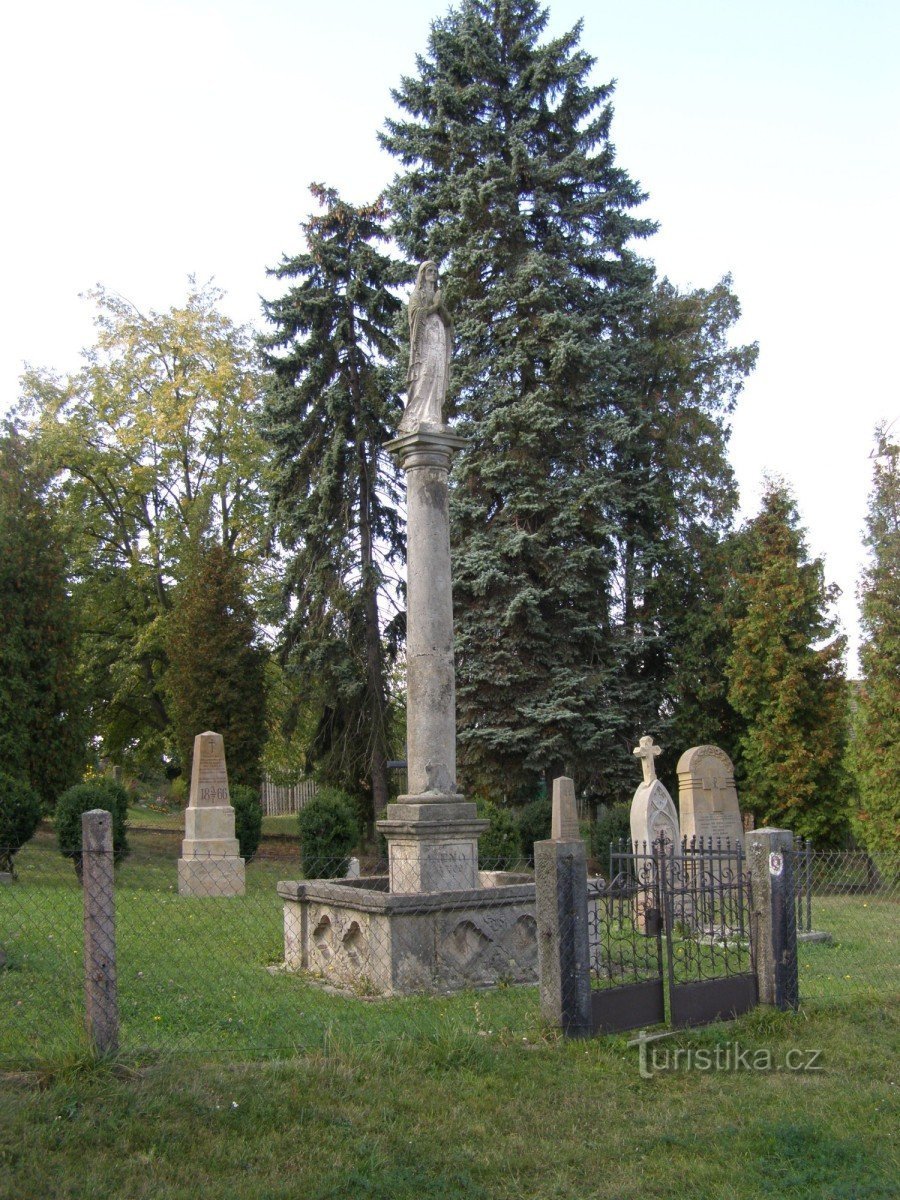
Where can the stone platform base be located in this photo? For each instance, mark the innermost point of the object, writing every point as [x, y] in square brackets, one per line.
[358, 935]
[815, 935]
[211, 876]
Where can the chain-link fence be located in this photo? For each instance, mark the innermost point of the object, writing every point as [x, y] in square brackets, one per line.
[285, 965]
[268, 969]
[847, 905]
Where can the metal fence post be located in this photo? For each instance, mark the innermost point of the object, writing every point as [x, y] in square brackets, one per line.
[560, 875]
[770, 854]
[101, 994]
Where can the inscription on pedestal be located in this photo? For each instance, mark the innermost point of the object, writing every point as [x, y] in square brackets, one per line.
[423, 866]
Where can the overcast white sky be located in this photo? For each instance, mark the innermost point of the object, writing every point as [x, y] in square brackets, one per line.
[146, 140]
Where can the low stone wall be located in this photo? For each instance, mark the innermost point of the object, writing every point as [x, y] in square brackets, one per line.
[357, 935]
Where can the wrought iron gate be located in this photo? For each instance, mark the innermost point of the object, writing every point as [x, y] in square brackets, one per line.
[670, 936]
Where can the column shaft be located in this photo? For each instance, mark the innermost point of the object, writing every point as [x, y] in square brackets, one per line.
[431, 687]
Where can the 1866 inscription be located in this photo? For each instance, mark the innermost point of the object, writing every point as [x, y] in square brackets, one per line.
[209, 777]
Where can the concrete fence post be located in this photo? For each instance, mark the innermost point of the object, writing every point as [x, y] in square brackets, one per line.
[560, 873]
[770, 854]
[101, 993]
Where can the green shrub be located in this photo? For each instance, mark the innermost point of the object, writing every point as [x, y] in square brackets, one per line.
[535, 821]
[328, 834]
[99, 793]
[498, 846]
[613, 823]
[20, 813]
[178, 791]
[247, 818]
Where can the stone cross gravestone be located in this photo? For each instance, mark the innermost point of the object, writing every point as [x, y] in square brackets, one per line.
[653, 813]
[707, 797]
[210, 863]
[654, 823]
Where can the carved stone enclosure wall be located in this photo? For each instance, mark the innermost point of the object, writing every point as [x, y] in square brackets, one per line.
[359, 936]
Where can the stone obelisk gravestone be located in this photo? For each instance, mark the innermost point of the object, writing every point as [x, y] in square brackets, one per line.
[210, 863]
[707, 797]
[432, 832]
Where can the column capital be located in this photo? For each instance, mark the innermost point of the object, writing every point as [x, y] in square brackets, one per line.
[426, 447]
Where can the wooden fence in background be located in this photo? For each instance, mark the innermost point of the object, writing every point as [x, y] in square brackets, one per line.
[278, 801]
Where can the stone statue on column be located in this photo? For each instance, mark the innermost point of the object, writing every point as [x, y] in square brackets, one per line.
[436, 922]
[432, 831]
[430, 347]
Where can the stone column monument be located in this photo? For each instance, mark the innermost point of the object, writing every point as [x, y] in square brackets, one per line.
[434, 923]
[432, 832]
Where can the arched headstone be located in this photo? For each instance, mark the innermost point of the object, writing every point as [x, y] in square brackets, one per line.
[707, 797]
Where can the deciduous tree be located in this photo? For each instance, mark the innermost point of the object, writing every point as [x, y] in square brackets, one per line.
[149, 446]
[675, 496]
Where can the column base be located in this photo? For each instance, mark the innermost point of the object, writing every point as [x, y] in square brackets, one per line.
[432, 844]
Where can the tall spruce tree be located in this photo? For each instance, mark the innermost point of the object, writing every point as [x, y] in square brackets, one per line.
[42, 718]
[786, 677]
[329, 408]
[510, 182]
[876, 742]
[675, 497]
[216, 675]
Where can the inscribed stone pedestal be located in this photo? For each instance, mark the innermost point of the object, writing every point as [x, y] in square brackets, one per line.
[653, 813]
[707, 797]
[210, 863]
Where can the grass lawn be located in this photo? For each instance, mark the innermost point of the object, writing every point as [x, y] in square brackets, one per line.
[236, 1080]
[195, 976]
[141, 817]
[863, 961]
[466, 1114]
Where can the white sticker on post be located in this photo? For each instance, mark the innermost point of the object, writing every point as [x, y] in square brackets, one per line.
[776, 864]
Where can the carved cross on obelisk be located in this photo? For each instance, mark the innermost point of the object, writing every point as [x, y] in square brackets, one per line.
[647, 752]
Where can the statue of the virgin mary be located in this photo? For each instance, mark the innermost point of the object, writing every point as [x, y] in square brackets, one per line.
[430, 344]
